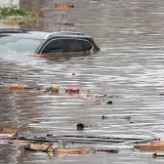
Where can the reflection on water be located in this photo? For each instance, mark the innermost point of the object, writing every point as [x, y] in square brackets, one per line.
[129, 69]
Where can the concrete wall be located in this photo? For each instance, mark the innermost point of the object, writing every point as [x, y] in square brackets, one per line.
[9, 3]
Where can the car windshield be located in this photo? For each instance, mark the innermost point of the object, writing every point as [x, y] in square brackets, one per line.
[10, 45]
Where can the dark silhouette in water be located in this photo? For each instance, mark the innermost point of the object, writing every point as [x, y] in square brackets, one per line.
[80, 127]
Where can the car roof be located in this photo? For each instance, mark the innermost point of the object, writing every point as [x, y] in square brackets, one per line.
[24, 33]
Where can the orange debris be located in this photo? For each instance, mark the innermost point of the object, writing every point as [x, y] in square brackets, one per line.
[40, 146]
[16, 87]
[64, 5]
[71, 151]
[155, 146]
[5, 129]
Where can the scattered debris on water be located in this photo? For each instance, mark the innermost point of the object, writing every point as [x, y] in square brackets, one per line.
[54, 89]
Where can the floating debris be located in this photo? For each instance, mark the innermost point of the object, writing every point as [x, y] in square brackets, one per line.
[40, 146]
[43, 145]
[49, 135]
[64, 5]
[33, 88]
[54, 89]
[80, 127]
[19, 143]
[109, 102]
[103, 117]
[72, 90]
[155, 146]
[155, 155]
[71, 151]
[16, 87]
[7, 129]
[108, 150]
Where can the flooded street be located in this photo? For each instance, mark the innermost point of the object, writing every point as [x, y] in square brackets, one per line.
[129, 69]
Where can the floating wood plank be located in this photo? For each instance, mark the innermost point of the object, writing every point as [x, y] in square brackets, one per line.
[7, 129]
[19, 143]
[40, 146]
[155, 146]
[64, 5]
[71, 151]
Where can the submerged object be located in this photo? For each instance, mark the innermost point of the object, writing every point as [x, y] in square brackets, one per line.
[46, 44]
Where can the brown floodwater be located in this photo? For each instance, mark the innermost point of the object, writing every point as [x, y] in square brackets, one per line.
[129, 69]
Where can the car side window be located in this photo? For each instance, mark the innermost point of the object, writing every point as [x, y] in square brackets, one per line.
[66, 45]
[76, 45]
[54, 46]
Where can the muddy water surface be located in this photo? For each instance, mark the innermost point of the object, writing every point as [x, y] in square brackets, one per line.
[129, 69]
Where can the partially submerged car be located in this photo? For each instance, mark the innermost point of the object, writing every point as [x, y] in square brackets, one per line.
[39, 43]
